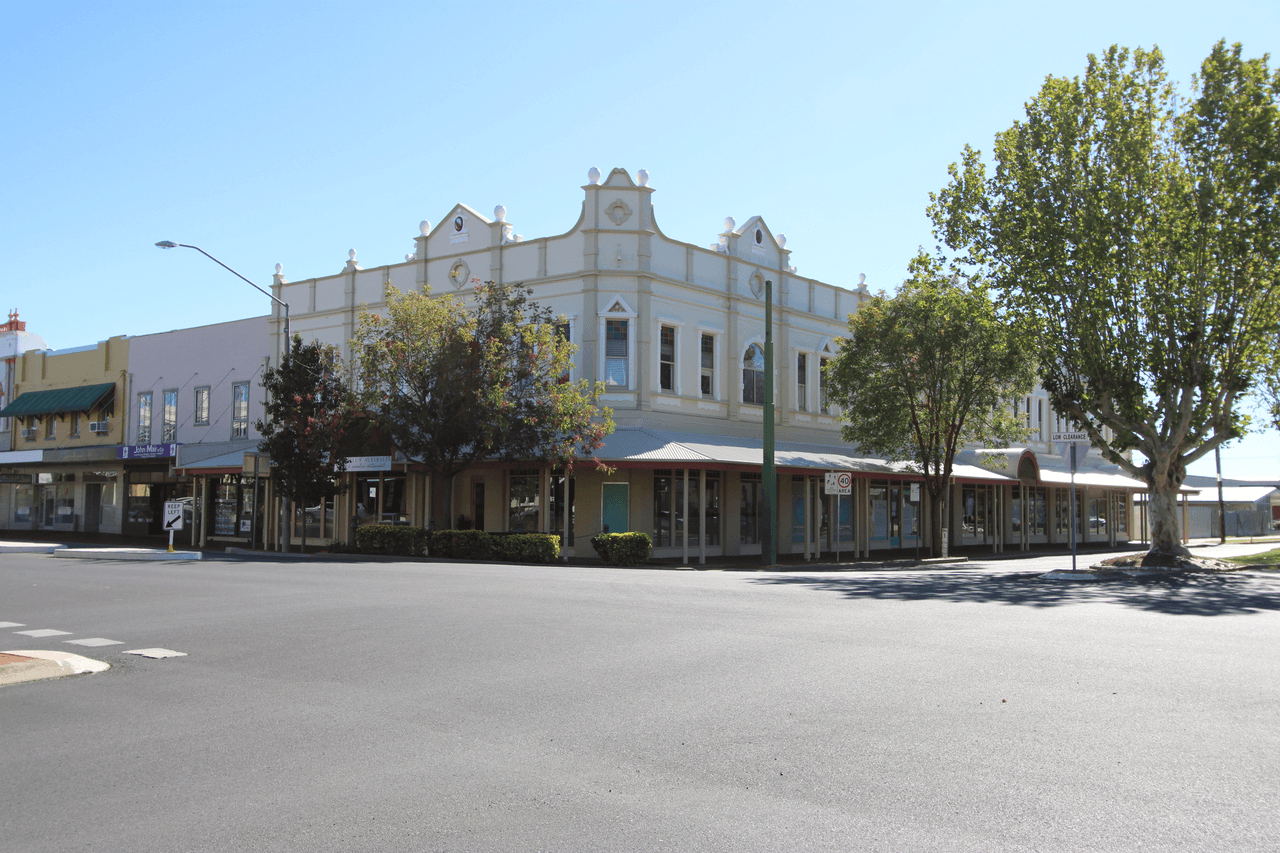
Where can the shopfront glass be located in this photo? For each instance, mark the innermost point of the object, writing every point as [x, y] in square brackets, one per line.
[523, 510]
[380, 500]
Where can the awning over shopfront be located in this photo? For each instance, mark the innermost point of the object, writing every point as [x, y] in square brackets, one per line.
[650, 448]
[82, 399]
[660, 449]
[218, 458]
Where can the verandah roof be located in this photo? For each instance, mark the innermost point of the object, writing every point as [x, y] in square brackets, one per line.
[81, 399]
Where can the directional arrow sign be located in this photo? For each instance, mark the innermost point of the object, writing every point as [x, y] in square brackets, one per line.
[173, 515]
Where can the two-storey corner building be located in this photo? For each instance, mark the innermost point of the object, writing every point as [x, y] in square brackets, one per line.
[195, 395]
[66, 424]
[676, 332]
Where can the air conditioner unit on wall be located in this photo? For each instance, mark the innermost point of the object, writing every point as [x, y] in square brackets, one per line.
[29, 433]
[99, 426]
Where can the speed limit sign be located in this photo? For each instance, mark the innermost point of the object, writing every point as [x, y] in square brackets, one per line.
[839, 483]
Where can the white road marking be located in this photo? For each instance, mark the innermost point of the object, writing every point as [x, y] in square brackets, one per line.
[96, 641]
[43, 632]
[11, 625]
[156, 653]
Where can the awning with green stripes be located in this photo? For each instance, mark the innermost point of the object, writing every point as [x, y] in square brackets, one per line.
[82, 399]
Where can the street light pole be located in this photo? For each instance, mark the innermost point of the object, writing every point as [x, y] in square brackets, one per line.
[169, 244]
[284, 502]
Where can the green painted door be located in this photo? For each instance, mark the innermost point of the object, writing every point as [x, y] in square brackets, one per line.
[616, 516]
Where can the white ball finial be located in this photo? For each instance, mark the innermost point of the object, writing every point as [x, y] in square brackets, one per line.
[351, 255]
[782, 241]
[424, 228]
[862, 279]
[642, 177]
[500, 213]
[279, 268]
[593, 175]
[729, 224]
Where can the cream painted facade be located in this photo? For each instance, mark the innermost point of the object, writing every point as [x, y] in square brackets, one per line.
[671, 327]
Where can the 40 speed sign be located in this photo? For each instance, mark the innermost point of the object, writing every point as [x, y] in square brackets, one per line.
[839, 484]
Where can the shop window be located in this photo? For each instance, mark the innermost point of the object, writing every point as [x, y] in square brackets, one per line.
[144, 417]
[667, 358]
[562, 502]
[1036, 511]
[23, 502]
[202, 406]
[753, 375]
[317, 520]
[381, 500]
[749, 521]
[1062, 511]
[524, 508]
[1097, 517]
[975, 501]
[169, 417]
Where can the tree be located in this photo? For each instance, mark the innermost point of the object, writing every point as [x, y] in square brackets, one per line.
[1138, 233]
[453, 385]
[927, 371]
[309, 418]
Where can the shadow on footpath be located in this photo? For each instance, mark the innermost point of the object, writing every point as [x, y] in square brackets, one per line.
[1178, 595]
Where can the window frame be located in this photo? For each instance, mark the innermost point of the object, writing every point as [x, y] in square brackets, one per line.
[205, 392]
[169, 416]
[142, 433]
[239, 424]
[712, 392]
[757, 383]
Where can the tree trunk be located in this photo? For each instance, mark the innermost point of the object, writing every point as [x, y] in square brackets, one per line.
[937, 512]
[448, 503]
[1165, 527]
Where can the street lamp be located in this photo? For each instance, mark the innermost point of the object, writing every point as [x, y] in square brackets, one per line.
[284, 502]
[169, 244]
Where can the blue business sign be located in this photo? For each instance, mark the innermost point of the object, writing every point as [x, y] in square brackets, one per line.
[146, 451]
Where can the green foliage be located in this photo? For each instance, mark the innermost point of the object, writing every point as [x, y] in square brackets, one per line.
[526, 548]
[403, 541]
[623, 549]
[391, 540]
[1138, 234]
[454, 384]
[927, 371]
[460, 544]
[309, 421]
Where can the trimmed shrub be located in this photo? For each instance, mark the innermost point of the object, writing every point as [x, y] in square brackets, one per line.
[623, 549]
[460, 544]
[391, 540]
[527, 548]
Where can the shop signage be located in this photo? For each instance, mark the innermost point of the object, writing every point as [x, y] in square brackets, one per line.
[15, 478]
[368, 463]
[146, 451]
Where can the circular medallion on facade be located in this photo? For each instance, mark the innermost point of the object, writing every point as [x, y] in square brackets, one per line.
[459, 274]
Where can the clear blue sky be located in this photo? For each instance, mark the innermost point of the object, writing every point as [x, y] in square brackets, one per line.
[290, 132]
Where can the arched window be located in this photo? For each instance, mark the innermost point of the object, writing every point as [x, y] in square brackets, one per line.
[753, 375]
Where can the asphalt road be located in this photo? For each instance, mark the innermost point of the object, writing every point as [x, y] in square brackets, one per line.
[424, 707]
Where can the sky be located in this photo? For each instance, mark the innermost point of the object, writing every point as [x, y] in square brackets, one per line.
[290, 132]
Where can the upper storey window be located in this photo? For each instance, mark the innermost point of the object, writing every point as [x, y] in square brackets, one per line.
[615, 353]
[753, 375]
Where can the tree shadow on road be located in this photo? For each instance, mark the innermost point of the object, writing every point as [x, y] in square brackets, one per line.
[1180, 595]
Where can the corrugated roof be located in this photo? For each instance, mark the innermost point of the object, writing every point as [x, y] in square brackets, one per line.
[58, 400]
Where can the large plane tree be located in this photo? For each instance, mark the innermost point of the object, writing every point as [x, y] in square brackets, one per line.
[1137, 230]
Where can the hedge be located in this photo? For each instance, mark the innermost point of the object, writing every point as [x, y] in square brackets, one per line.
[402, 541]
[391, 540]
[623, 549]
